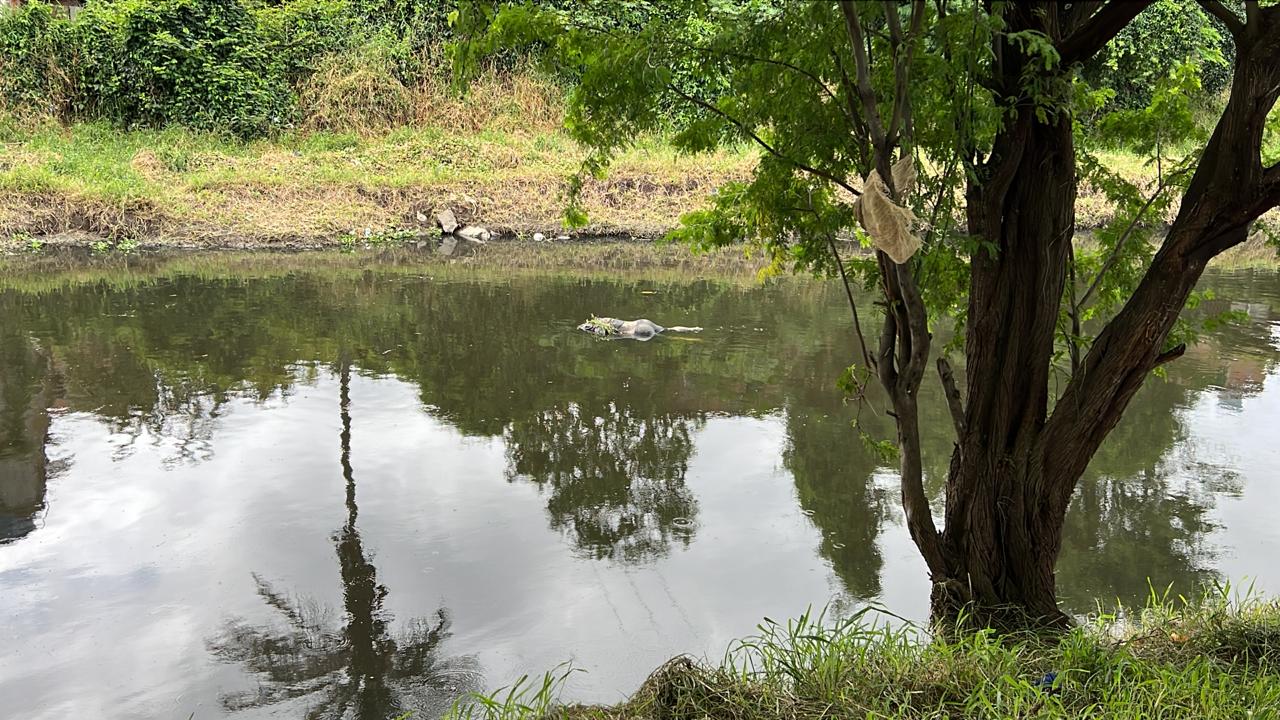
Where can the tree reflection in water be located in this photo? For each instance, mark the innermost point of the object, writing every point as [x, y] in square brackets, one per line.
[836, 488]
[615, 476]
[358, 670]
[27, 389]
[609, 441]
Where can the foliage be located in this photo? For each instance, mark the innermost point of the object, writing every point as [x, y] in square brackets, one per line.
[370, 238]
[1123, 248]
[1211, 658]
[525, 698]
[202, 63]
[33, 40]
[233, 66]
[982, 100]
[1163, 36]
[604, 326]
[299, 33]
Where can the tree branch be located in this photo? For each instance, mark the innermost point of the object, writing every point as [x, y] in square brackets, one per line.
[853, 306]
[917, 325]
[885, 367]
[954, 403]
[1098, 30]
[1233, 22]
[760, 141]
[1073, 310]
[894, 22]
[771, 61]
[1268, 193]
[1271, 176]
[1169, 355]
[902, 49]
[851, 99]
[871, 110]
[1115, 252]
[1080, 11]
[1253, 14]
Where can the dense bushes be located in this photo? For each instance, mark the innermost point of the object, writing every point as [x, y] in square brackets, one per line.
[250, 66]
[1160, 38]
[228, 65]
[202, 63]
[35, 49]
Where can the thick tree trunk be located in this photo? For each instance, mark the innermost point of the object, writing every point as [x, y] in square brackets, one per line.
[993, 543]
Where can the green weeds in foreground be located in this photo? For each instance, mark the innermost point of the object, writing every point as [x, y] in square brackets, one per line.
[1213, 658]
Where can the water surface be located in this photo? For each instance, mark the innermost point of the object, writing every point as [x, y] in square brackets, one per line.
[349, 493]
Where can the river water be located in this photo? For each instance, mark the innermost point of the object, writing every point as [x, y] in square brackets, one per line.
[263, 494]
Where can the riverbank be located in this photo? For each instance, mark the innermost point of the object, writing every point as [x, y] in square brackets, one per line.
[1218, 658]
[175, 188]
[179, 188]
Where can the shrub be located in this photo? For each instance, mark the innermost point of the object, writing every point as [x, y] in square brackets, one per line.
[354, 91]
[299, 33]
[1164, 35]
[35, 45]
[249, 67]
[201, 63]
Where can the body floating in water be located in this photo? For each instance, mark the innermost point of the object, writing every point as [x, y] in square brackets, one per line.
[642, 329]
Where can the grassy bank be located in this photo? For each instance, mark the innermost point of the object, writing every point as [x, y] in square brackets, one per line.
[181, 187]
[1216, 658]
[498, 159]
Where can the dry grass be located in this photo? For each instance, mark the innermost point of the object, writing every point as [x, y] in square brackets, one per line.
[497, 157]
[503, 101]
[353, 92]
[311, 187]
[357, 92]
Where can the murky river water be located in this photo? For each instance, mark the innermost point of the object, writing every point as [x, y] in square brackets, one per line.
[251, 496]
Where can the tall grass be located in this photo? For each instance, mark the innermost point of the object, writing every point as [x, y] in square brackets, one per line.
[1216, 657]
[353, 92]
[518, 100]
[359, 92]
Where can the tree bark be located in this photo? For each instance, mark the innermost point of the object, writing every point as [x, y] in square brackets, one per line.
[1024, 212]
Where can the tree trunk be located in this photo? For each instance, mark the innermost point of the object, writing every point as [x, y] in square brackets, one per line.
[993, 543]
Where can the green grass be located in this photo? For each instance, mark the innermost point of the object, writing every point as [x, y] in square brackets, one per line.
[181, 185]
[1212, 658]
[312, 187]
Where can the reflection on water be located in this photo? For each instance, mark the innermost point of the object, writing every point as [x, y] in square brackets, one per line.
[527, 494]
[359, 671]
[614, 478]
[26, 394]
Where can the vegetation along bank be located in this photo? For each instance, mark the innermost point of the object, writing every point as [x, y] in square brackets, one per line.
[1210, 658]
[309, 123]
